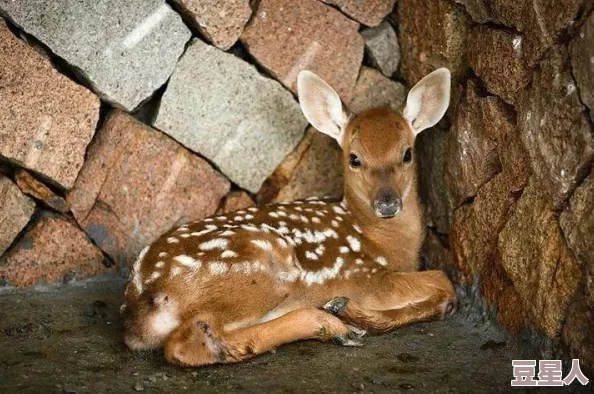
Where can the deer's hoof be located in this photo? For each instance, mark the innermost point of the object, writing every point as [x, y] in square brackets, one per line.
[347, 340]
[449, 308]
[336, 305]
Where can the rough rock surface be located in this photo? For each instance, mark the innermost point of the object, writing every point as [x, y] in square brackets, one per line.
[236, 200]
[496, 57]
[368, 12]
[141, 39]
[537, 260]
[433, 34]
[382, 47]
[477, 225]
[319, 171]
[136, 184]
[53, 250]
[287, 36]
[46, 120]
[431, 155]
[373, 90]
[246, 128]
[578, 335]
[577, 222]
[582, 53]
[472, 157]
[32, 187]
[542, 23]
[555, 129]
[15, 213]
[222, 22]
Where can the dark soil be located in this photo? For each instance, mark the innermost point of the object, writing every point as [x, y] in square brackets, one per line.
[68, 340]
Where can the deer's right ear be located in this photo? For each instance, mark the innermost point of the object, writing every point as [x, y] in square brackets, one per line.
[321, 105]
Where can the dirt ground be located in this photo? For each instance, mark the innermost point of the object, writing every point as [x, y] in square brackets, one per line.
[68, 340]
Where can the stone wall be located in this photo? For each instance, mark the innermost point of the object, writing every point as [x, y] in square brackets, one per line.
[507, 176]
[114, 129]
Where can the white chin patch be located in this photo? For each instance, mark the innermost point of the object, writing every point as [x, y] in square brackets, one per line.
[163, 323]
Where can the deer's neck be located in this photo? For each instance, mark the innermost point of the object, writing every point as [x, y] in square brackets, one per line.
[400, 238]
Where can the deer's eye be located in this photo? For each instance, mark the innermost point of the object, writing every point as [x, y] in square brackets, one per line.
[354, 161]
[407, 158]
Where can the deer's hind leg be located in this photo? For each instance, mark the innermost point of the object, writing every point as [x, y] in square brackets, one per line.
[198, 343]
[395, 299]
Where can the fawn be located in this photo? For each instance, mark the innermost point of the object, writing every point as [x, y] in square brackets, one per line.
[230, 287]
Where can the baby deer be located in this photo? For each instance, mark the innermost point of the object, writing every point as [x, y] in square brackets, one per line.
[230, 287]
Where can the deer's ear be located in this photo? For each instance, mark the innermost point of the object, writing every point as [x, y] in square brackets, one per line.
[321, 105]
[428, 100]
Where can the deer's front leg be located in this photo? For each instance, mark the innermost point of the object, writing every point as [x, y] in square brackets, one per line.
[395, 299]
[198, 343]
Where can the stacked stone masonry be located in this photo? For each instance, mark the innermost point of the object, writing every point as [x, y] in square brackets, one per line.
[506, 177]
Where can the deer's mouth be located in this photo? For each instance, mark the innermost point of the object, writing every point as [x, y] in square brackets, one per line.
[387, 203]
[386, 210]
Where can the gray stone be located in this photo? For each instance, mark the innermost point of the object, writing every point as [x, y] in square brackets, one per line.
[382, 47]
[221, 107]
[125, 50]
[15, 212]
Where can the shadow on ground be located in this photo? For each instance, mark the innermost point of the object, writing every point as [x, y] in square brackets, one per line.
[68, 340]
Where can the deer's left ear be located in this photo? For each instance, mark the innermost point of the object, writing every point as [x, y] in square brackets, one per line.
[428, 100]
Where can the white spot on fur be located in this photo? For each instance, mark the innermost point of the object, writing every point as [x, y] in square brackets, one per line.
[339, 210]
[357, 229]
[359, 262]
[293, 217]
[238, 218]
[283, 230]
[253, 209]
[200, 233]
[304, 219]
[326, 273]
[215, 243]
[311, 255]
[316, 220]
[160, 264]
[344, 249]
[182, 230]
[320, 250]
[208, 220]
[249, 217]
[174, 272]
[266, 245]
[298, 209]
[250, 227]
[381, 260]
[218, 268]
[154, 276]
[188, 261]
[282, 242]
[172, 240]
[334, 223]
[273, 215]
[185, 235]
[227, 233]
[136, 279]
[227, 254]
[354, 243]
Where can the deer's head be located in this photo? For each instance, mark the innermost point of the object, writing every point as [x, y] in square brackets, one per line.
[378, 144]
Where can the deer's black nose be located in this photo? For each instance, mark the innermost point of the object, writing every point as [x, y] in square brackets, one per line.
[387, 203]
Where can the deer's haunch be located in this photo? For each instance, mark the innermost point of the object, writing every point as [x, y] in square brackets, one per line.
[233, 286]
